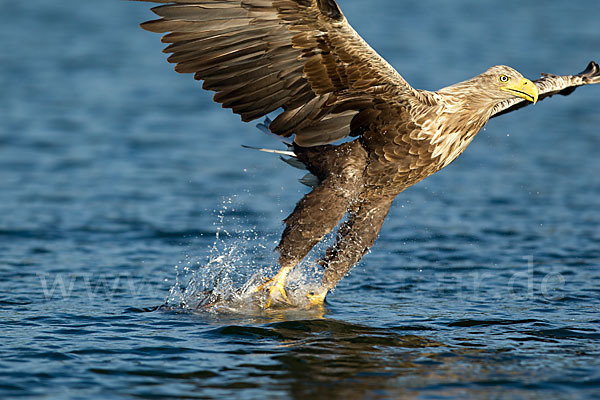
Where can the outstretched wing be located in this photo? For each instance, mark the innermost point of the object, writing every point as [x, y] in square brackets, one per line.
[549, 85]
[299, 55]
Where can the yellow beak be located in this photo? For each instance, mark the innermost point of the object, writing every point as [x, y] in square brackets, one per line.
[524, 89]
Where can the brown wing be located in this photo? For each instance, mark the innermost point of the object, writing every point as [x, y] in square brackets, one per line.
[299, 55]
[549, 85]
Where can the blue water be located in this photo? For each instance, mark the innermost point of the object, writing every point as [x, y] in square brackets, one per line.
[122, 186]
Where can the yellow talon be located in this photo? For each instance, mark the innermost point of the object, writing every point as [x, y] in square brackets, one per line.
[276, 288]
[317, 298]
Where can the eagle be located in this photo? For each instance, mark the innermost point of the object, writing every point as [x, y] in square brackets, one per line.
[357, 125]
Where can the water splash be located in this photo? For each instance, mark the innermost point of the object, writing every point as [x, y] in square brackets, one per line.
[238, 262]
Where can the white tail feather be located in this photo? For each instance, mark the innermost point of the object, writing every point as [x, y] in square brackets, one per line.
[282, 152]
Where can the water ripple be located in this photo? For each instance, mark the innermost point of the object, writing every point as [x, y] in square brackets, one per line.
[126, 197]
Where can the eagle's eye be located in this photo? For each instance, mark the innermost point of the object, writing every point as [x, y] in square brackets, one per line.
[504, 78]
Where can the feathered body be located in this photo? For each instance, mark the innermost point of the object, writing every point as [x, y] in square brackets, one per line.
[302, 56]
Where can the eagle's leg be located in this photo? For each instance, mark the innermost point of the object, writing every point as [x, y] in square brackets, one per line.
[317, 214]
[314, 216]
[355, 237]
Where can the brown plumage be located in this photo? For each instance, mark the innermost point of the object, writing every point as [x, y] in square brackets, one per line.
[302, 56]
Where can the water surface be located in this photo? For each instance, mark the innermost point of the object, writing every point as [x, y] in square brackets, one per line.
[121, 181]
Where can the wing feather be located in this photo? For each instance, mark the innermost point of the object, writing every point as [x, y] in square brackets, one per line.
[298, 55]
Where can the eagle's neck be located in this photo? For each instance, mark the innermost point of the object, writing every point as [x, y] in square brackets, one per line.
[471, 97]
[459, 119]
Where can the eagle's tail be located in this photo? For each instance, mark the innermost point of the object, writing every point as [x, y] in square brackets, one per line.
[288, 156]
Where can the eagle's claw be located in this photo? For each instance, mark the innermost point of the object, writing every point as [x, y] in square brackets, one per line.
[275, 289]
[317, 298]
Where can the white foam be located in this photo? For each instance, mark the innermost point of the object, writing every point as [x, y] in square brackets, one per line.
[238, 262]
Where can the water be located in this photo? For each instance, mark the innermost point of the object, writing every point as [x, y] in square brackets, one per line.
[117, 174]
